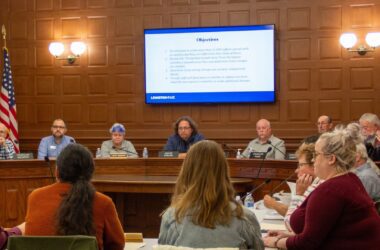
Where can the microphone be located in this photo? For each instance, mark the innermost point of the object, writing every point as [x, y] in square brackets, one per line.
[270, 143]
[47, 160]
[125, 150]
[284, 181]
[262, 161]
[256, 188]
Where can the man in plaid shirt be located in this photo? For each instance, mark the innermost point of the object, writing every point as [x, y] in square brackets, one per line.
[7, 150]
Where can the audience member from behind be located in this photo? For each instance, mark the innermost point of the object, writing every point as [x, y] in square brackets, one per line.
[203, 212]
[264, 141]
[339, 210]
[71, 206]
[370, 129]
[51, 146]
[324, 124]
[7, 150]
[118, 144]
[369, 178]
[306, 183]
[185, 134]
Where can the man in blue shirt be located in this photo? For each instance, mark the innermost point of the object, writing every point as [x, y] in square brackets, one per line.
[185, 135]
[52, 145]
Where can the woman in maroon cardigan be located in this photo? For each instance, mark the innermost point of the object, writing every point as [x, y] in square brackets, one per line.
[339, 214]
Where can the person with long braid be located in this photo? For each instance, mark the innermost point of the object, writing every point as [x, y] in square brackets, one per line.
[71, 206]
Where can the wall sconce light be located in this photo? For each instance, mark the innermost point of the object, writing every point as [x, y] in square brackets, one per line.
[77, 48]
[348, 41]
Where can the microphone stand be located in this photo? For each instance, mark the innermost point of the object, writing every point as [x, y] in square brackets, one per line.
[47, 160]
[282, 182]
[270, 143]
[256, 188]
[125, 150]
[262, 162]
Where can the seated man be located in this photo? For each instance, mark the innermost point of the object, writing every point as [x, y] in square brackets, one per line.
[366, 174]
[370, 130]
[52, 145]
[7, 150]
[264, 141]
[118, 144]
[324, 124]
[185, 134]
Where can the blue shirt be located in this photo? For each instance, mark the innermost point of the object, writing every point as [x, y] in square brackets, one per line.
[176, 143]
[48, 147]
[370, 180]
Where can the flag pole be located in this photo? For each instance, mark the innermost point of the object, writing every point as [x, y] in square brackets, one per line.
[4, 32]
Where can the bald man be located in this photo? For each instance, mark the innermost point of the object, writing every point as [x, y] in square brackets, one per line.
[264, 141]
[324, 124]
[7, 150]
[51, 146]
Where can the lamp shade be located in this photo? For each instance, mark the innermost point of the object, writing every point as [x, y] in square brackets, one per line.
[78, 48]
[56, 48]
[348, 40]
[373, 39]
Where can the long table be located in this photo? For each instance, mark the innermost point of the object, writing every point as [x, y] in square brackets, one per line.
[141, 188]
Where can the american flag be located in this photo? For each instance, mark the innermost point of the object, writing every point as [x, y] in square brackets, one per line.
[8, 113]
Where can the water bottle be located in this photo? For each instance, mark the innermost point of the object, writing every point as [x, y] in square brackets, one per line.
[98, 153]
[238, 154]
[248, 201]
[145, 153]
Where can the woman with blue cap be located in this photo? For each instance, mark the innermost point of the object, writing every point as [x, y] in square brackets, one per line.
[118, 145]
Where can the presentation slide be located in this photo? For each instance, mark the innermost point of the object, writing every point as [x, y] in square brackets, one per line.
[210, 65]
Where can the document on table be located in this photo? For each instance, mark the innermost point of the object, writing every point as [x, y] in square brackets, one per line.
[272, 226]
[133, 245]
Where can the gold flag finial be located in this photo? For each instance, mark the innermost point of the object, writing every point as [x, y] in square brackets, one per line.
[4, 32]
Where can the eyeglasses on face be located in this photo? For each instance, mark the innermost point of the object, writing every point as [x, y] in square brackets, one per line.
[184, 128]
[301, 164]
[58, 127]
[317, 153]
[321, 123]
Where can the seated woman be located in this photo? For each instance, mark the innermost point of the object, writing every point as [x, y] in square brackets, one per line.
[306, 183]
[71, 206]
[203, 212]
[338, 214]
[117, 144]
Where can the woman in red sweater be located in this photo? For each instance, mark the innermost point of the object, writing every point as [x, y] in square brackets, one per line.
[339, 214]
[71, 206]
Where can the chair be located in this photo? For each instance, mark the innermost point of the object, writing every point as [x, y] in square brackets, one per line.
[75, 242]
[377, 205]
[167, 247]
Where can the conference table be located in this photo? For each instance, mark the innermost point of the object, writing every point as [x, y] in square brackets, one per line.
[141, 188]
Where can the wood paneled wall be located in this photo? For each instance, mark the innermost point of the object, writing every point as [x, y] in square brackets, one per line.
[315, 75]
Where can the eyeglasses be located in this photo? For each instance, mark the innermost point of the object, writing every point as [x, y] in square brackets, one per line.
[316, 154]
[184, 128]
[301, 164]
[58, 127]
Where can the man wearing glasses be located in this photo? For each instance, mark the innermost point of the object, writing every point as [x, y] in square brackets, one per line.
[185, 135]
[51, 146]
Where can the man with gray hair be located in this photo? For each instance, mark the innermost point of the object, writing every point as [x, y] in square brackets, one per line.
[366, 174]
[370, 129]
[266, 144]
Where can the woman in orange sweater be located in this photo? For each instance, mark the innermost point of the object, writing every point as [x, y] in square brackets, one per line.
[71, 206]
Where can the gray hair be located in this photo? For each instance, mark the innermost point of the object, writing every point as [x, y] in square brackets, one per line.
[372, 118]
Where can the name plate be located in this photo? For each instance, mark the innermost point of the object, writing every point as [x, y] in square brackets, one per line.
[23, 156]
[118, 155]
[168, 154]
[256, 155]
